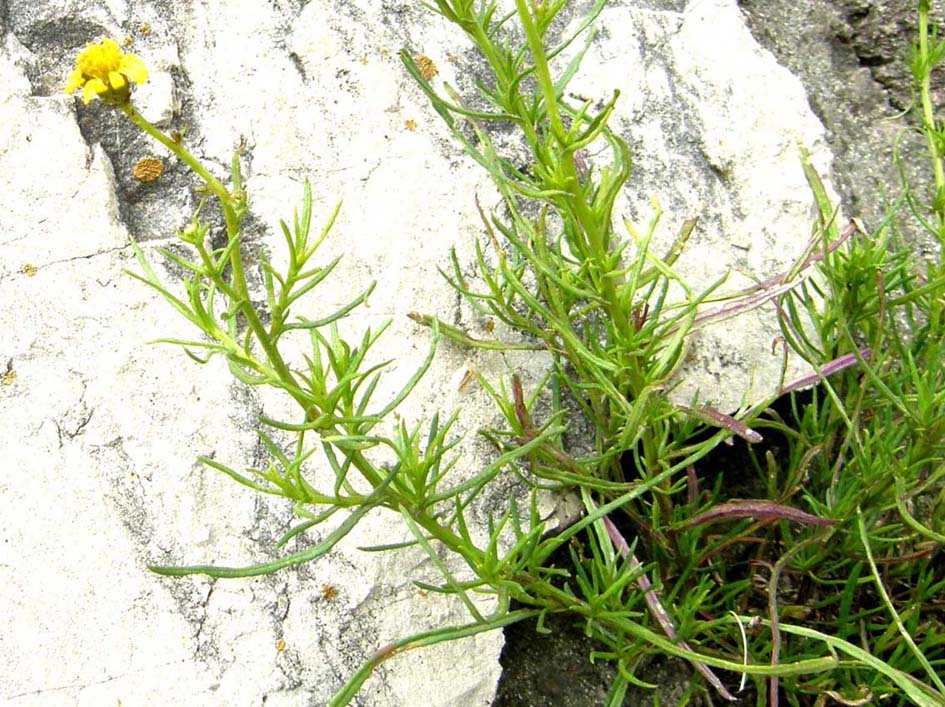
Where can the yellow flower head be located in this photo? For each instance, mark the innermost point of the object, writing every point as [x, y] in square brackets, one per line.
[104, 70]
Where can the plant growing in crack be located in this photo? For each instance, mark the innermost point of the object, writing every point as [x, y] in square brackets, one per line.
[554, 268]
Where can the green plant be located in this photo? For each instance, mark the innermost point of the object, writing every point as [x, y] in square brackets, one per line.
[867, 450]
[861, 477]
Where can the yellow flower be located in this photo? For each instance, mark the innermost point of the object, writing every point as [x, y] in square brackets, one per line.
[104, 70]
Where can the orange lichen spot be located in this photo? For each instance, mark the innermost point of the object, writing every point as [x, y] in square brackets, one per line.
[280, 645]
[365, 60]
[8, 377]
[329, 592]
[427, 68]
[128, 41]
[148, 169]
[411, 125]
[144, 28]
[28, 269]
[490, 326]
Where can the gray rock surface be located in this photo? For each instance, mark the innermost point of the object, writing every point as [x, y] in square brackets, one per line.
[101, 430]
[850, 55]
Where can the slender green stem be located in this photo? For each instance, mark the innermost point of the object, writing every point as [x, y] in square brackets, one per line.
[178, 150]
[594, 230]
[542, 72]
[228, 203]
[928, 118]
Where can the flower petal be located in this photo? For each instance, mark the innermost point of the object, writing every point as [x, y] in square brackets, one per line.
[110, 52]
[76, 79]
[93, 87]
[132, 67]
[116, 80]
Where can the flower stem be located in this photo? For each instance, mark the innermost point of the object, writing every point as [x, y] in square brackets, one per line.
[215, 185]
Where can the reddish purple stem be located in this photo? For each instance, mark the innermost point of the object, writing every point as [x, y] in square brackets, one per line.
[772, 287]
[657, 610]
[765, 510]
[835, 366]
[720, 419]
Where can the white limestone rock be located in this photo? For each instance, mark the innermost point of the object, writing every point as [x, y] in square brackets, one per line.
[716, 126]
[101, 430]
